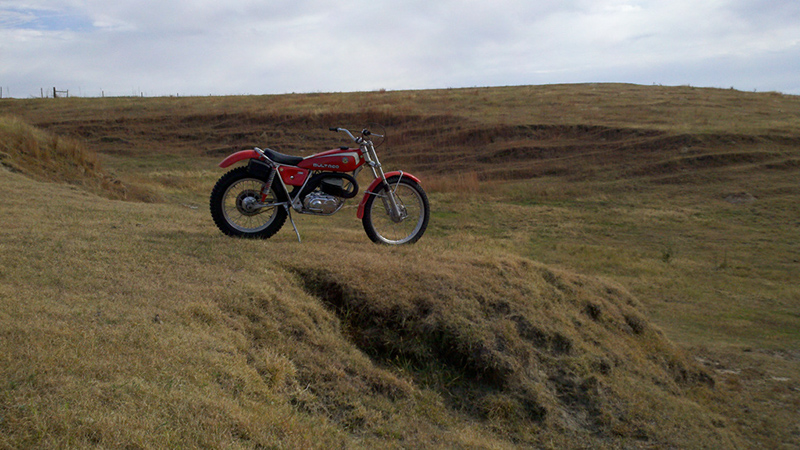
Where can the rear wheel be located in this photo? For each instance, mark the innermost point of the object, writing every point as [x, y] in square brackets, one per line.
[237, 206]
[412, 201]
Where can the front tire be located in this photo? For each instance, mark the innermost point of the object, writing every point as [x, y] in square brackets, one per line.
[412, 199]
[232, 201]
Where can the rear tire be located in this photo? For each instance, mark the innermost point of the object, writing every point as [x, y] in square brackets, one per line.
[229, 202]
[379, 226]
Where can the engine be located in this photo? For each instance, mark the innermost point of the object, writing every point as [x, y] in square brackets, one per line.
[321, 203]
[326, 192]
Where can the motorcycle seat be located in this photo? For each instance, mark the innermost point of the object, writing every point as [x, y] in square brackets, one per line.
[280, 158]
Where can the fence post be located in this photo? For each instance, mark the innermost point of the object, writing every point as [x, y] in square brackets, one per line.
[56, 92]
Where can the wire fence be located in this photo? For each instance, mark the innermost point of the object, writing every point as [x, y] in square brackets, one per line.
[54, 92]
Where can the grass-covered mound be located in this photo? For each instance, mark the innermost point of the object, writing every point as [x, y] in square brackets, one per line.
[523, 348]
[49, 157]
[139, 325]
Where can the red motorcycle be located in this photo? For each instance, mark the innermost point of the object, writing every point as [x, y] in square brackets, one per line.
[251, 201]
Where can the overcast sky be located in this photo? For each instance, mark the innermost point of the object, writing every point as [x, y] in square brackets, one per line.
[202, 47]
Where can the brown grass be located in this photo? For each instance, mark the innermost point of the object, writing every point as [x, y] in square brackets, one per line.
[148, 328]
[462, 183]
[48, 157]
[585, 282]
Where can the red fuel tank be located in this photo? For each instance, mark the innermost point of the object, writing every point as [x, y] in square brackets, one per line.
[337, 160]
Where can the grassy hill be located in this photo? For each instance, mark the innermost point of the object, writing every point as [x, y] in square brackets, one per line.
[611, 266]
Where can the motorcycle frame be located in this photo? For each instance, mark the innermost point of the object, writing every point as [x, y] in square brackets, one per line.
[367, 150]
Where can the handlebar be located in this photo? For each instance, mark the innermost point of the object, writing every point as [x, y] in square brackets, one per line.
[355, 139]
[358, 140]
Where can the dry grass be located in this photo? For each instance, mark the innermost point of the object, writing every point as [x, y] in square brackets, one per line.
[150, 329]
[102, 351]
[49, 157]
[463, 183]
[43, 155]
[673, 109]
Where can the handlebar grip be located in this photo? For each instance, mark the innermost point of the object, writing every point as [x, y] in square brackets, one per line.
[333, 129]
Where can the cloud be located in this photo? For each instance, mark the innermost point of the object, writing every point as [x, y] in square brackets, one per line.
[251, 46]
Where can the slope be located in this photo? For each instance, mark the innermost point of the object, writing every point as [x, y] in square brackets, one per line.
[684, 196]
[139, 325]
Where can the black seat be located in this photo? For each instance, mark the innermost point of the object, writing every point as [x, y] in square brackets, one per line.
[280, 158]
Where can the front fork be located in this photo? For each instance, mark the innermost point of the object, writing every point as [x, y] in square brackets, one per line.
[393, 205]
[395, 208]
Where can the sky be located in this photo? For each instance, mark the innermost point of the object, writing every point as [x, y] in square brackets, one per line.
[233, 47]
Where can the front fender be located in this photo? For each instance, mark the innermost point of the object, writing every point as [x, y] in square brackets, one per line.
[374, 184]
[239, 156]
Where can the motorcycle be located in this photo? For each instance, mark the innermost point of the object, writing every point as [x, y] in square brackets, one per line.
[253, 201]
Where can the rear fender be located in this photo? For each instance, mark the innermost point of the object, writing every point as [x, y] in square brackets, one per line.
[257, 168]
[374, 185]
[239, 156]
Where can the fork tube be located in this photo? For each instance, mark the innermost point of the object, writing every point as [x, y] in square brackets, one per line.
[394, 212]
[370, 161]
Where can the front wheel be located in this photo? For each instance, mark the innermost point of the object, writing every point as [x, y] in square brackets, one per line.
[382, 226]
